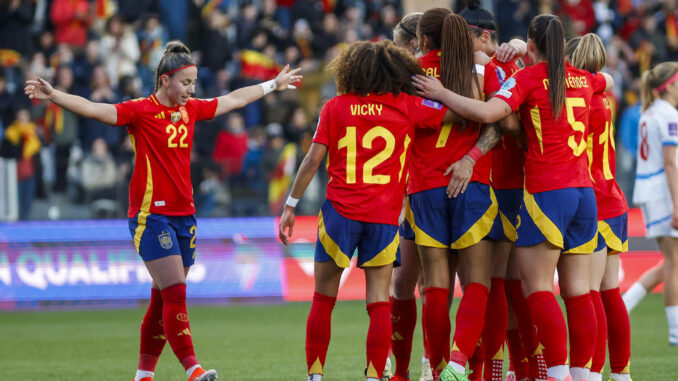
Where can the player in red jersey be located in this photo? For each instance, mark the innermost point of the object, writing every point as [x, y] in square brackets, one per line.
[161, 210]
[558, 214]
[588, 53]
[366, 131]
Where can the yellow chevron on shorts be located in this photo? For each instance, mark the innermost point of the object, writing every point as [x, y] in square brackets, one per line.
[543, 223]
[586, 248]
[509, 229]
[481, 228]
[330, 246]
[421, 238]
[613, 242]
[386, 256]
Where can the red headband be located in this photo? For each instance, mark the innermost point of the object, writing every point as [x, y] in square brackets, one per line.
[490, 31]
[668, 82]
[177, 69]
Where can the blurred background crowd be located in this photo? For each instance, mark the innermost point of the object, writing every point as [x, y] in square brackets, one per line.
[243, 162]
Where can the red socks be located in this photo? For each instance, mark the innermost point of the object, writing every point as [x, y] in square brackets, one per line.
[378, 338]
[550, 322]
[475, 364]
[601, 333]
[517, 355]
[318, 332]
[175, 322]
[470, 322]
[619, 330]
[527, 332]
[423, 328]
[152, 334]
[582, 328]
[494, 332]
[403, 321]
[437, 323]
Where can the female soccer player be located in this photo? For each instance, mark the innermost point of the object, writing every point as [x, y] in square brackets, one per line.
[558, 212]
[588, 53]
[161, 210]
[656, 188]
[366, 131]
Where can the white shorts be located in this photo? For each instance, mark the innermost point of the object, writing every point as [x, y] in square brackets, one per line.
[657, 214]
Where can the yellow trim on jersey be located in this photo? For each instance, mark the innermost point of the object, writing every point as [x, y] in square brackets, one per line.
[386, 256]
[481, 228]
[145, 206]
[611, 240]
[152, 97]
[543, 223]
[586, 248]
[509, 230]
[330, 246]
[536, 122]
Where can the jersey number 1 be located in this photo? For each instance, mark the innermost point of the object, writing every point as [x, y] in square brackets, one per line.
[349, 141]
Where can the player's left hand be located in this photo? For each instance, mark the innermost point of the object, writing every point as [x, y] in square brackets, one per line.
[286, 223]
[428, 87]
[286, 78]
[461, 170]
[506, 52]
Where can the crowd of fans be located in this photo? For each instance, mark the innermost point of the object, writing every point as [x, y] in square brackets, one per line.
[107, 50]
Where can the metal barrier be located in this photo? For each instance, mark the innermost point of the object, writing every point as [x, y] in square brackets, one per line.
[9, 194]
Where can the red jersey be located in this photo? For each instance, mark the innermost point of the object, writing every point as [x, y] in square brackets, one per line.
[555, 146]
[433, 151]
[508, 158]
[162, 138]
[368, 140]
[601, 150]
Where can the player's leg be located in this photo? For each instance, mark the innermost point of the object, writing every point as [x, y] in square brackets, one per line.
[518, 360]
[646, 283]
[618, 324]
[669, 247]
[152, 339]
[598, 263]
[379, 333]
[496, 317]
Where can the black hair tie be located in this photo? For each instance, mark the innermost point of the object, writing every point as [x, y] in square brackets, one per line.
[407, 30]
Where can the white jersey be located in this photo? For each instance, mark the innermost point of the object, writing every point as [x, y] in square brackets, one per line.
[658, 126]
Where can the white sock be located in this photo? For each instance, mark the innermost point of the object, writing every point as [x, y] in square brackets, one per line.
[634, 295]
[315, 377]
[559, 372]
[372, 379]
[457, 367]
[620, 376]
[595, 376]
[191, 369]
[425, 361]
[579, 374]
[672, 317]
[142, 374]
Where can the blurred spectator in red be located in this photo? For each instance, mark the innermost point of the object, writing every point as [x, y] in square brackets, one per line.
[231, 146]
[15, 23]
[579, 16]
[70, 19]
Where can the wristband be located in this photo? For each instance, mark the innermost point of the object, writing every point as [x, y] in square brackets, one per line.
[474, 154]
[268, 86]
[291, 201]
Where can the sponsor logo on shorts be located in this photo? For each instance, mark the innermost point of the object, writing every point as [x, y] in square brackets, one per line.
[165, 241]
[432, 104]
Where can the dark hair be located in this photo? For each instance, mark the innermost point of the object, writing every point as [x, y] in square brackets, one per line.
[546, 31]
[176, 55]
[450, 33]
[374, 67]
[479, 19]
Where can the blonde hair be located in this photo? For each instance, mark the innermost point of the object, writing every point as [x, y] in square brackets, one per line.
[406, 30]
[654, 78]
[587, 52]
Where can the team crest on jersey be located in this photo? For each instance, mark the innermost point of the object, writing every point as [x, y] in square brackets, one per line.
[165, 241]
[505, 90]
[184, 114]
[175, 116]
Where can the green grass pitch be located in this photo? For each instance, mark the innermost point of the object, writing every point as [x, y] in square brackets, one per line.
[243, 343]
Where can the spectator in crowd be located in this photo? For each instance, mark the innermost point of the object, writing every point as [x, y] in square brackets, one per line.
[83, 67]
[119, 49]
[92, 130]
[15, 22]
[578, 16]
[70, 19]
[152, 39]
[98, 178]
[649, 43]
[230, 147]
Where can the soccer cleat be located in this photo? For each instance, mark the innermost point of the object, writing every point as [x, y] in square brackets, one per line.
[426, 373]
[201, 374]
[398, 378]
[144, 379]
[449, 374]
[386, 375]
[673, 339]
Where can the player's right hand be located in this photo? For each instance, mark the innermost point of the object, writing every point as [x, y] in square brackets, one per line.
[286, 222]
[461, 170]
[38, 89]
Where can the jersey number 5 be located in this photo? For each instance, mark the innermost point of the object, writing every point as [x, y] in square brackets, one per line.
[570, 104]
[349, 141]
[170, 129]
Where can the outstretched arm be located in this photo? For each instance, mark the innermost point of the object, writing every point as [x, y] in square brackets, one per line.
[40, 89]
[246, 95]
[484, 112]
[307, 170]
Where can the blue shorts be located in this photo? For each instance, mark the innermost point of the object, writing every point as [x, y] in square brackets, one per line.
[405, 229]
[158, 236]
[339, 237]
[613, 233]
[567, 218]
[455, 223]
[504, 227]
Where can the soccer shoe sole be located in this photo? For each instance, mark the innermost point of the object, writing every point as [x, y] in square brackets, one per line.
[209, 375]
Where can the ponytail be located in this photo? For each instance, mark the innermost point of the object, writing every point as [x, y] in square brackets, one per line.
[457, 59]
[176, 56]
[654, 79]
[548, 35]
[646, 94]
[587, 53]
